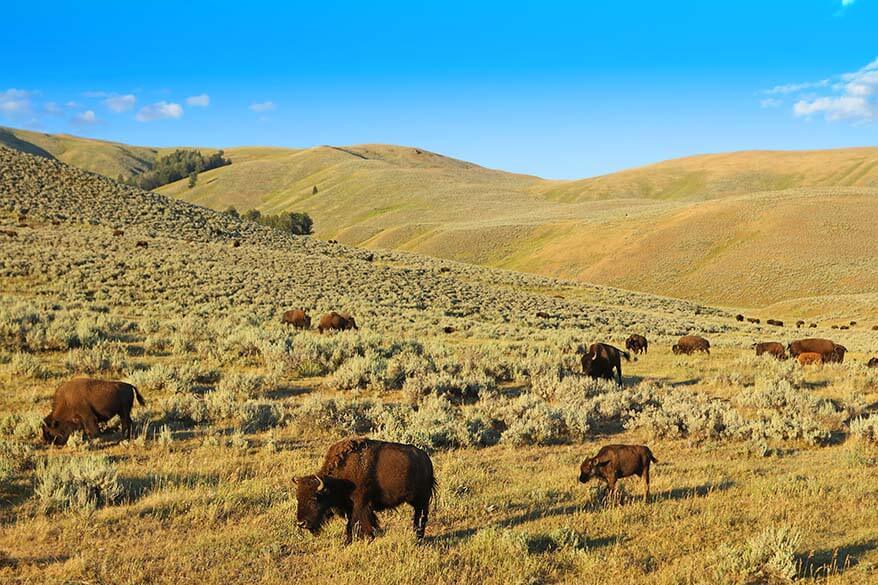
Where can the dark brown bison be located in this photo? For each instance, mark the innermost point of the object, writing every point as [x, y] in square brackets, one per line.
[739, 317]
[807, 358]
[753, 320]
[118, 233]
[298, 318]
[873, 363]
[775, 322]
[236, 243]
[813, 325]
[360, 477]
[336, 322]
[800, 324]
[690, 344]
[83, 403]
[772, 348]
[613, 462]
[829, 350]
[543, 315]
[141, 244]
[601, 359]
[637, 343]
[448, 329]
[10, 233]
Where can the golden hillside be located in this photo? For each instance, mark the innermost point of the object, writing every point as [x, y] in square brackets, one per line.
[783, 231]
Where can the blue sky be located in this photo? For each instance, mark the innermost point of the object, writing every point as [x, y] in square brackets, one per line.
[557, 89]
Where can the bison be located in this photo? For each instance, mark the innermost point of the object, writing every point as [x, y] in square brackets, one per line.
[118, 233]
[637, 343]
[613, 462]
[809, 357]
[141, 244]
[775, 322]
[826, 348]
[753, 320]
[336, 322]
[873, 363]
[739, 317]
[601, 359]
[772, 348]
[298, 318]
[83, 403]
[800, 324]
[690, 344]
[362, 476]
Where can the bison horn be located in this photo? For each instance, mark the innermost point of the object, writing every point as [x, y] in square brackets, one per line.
[319, 483]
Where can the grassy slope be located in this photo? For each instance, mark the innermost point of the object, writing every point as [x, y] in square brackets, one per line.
[202, 506]
[720, 237]
[711, 227]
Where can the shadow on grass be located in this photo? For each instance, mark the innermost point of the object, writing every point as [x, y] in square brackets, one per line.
[13, 563]
[700, 491]
[138, 487]
[824, 563]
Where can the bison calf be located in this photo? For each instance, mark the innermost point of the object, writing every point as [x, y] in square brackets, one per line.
[83, 403]
[809, 357]
[360, 477]
[613, 462]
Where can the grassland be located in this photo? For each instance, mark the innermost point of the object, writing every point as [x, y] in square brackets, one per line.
[764, 230]
[768, 471]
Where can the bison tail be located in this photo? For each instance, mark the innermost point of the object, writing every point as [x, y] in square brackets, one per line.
[652, 458]
[139, 397]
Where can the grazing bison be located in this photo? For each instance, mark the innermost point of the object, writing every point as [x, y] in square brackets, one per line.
[825, 347]
[753, 320]
[336, 322]
[775, 322]
[543, 315]
[873, 363]
[772, 348]
[360, 477]
[637, 343]
[141, 244]
[298, 318]
[739, 317]
[118, 233]
[813, 325]
[613, 462]
[82, 403]
[809, 357]
[448, 329]
[601, 359]
[690, 344]
[800, 324]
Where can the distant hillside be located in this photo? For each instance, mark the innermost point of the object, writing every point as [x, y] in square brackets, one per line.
[747, 229]
[110, 159]
[735, 173]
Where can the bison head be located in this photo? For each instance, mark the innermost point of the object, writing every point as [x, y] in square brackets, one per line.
[316, 499]
[352, 324]
[56, 432]
[589, 469]
[677, 349]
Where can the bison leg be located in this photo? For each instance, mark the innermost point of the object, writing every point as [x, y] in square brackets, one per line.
[646, 483]
[619, 373]
[125, 424]
[364, 518]
[419, 521]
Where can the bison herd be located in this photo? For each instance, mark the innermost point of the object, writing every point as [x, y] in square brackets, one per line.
[360, 476]
[331, 321]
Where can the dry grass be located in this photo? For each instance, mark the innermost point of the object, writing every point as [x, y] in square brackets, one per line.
[767, 471]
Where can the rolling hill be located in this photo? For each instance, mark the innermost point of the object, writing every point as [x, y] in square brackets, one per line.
[765, 230]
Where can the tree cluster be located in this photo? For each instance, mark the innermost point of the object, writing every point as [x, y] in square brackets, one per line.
[178, 165]
[293, 222]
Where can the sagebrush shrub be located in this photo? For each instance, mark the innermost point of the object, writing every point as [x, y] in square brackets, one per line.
[77, 483]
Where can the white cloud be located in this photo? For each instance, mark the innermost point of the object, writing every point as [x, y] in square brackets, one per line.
[121, 103]
[15, 102]
[96, 94]
[848, 96]
[846, 3]
[86, 118]
[52, 108]
[770, 103]
[159, 111]
[201, 101]
[794, 87]
[263, 107]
